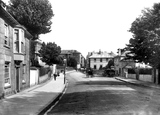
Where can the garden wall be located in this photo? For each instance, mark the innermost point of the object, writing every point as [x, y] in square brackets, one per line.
[143, 75]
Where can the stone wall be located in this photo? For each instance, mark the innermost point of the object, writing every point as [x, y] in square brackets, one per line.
[6, 55]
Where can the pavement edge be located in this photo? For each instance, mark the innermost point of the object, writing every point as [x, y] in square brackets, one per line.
[50, 104]
[133, 83]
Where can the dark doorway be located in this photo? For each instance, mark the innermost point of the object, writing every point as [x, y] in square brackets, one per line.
[17, 75]
[17, 78]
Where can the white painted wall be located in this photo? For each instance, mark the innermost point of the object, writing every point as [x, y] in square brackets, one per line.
[98, 63]
[145, 78]
[54, 68]
[34, 77]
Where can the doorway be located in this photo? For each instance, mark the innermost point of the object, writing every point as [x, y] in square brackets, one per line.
[17, 78]
[17, 75]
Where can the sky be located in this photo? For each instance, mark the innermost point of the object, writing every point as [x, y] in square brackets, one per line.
[93, 25]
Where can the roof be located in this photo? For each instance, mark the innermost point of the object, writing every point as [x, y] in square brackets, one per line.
[7, 15]
[26, 32]
[12, 21]
[102, 55]
[69, 51]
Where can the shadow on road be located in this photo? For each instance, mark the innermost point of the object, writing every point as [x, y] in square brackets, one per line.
[103, 97]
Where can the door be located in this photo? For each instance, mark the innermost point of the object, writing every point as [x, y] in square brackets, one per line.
[17, 74]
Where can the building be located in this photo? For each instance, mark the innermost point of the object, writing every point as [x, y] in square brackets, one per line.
[66, 54]
[122, 64]
[98, 60]
[38, 45]
[73, 53]
[14, 54]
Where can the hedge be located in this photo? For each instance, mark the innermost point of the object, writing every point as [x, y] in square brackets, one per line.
[145, 71]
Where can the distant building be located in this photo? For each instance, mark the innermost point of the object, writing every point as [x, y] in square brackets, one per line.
[98, 60]
[122, 64]
[74, 53]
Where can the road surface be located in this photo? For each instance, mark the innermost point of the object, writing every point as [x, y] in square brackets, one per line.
[106, 96]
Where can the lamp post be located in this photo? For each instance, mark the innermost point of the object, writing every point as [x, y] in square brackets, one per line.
[64, 60]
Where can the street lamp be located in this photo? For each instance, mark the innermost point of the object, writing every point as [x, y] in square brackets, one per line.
[64, 60]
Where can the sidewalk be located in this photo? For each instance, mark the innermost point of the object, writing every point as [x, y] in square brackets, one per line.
[138, 82]
[34, 100]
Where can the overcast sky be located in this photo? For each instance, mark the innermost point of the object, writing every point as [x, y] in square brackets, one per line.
[90, 25]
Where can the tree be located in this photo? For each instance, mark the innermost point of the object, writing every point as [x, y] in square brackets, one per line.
[35, 15]
[108, 70]
[49, 53]
[145, 42]
[72, 62]
[110, 64]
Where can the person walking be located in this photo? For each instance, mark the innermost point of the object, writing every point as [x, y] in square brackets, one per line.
[55, 76]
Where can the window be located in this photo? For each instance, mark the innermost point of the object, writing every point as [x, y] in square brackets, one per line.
[19, 41]
[95, 67]
[16, 40]
[6, 35]
[22, 42]
[100, 67]
[7, 74]
[95, 60]
[100, 59]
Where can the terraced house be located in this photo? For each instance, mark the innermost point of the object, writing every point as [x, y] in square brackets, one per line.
[14, 54]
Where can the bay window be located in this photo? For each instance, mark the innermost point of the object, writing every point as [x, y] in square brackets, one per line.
[19, 41]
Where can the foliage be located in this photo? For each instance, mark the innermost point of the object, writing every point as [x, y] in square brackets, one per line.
[110, 64]
[146, 71]
[72, 62]
[131, 71]
[108, 69]
[109, 72]
[44, 70]
[35, 15]
[144, 45]
[49, 53]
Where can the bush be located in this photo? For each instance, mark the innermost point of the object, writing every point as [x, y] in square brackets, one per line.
[44, 70]
[109, 72]
[145, 71]
[131, 71]
[141, 71]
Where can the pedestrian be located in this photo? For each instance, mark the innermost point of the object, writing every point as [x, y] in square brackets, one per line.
[55, 75]
[58, 73]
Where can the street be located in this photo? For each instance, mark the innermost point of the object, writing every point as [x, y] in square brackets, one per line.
[106, 96]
